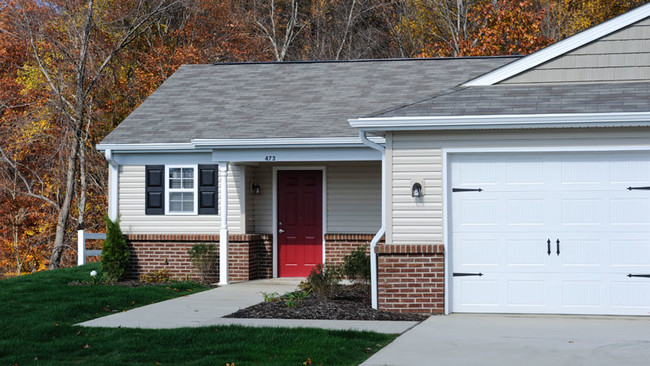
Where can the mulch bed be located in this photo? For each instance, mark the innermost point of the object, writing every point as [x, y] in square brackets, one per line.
[351, 303]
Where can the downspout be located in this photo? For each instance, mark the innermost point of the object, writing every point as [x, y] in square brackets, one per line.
[382, 229]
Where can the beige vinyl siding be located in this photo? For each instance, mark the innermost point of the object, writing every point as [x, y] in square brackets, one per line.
[419, 157]
[134, 220]
[415, 158]
[353, 196]
[621, 56]
[263, 203]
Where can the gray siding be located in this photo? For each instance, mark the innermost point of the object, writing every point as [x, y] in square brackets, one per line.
[353, 197]
[134, 221]
[621, 56]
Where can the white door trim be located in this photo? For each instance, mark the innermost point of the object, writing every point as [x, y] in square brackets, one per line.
[446, 185]
[323, 169]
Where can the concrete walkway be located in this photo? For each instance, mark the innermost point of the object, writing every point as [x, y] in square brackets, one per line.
[503, 340]
[207, 308]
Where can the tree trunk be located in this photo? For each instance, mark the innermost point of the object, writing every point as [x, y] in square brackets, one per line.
[64, 213]
[79, 116]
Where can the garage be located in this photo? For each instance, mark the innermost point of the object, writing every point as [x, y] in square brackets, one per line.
[551, 232]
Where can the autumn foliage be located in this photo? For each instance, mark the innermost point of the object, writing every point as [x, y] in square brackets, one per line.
[72, 70]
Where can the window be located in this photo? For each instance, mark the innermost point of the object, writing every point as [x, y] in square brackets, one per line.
[181, 188]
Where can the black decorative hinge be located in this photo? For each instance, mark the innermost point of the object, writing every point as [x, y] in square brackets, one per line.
[457, 274]
[640, 275]
[639, 188]
[466, 190]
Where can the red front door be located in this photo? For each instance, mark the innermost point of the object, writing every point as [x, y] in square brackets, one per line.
[300, 221]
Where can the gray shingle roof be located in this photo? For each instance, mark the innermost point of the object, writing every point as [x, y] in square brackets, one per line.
[531, 99]
[268, 100]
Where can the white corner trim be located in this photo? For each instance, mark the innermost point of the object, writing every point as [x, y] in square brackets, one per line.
[562, 47]
[563, 120]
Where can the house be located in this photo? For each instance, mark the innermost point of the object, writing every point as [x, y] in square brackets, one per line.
[489, 184]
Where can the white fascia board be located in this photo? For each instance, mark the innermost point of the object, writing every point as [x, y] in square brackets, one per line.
[568, 120]
[562, 47]
[282, 142]
[146, 147]
[206, 145]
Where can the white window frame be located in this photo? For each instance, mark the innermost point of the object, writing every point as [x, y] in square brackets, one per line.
[193, 190]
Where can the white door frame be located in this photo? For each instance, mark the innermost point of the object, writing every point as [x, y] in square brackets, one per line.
[446, 189]
[323, 169]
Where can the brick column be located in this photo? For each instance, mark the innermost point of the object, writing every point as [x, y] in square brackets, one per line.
[411, 278]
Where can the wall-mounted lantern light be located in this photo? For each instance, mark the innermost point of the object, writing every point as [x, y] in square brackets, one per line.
[416, 191]
[255, 188]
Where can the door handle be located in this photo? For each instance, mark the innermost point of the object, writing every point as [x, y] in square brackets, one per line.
[558, 246]
[548, 246]
[280, 231]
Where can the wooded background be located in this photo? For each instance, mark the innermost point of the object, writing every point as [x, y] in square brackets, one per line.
[70, 71]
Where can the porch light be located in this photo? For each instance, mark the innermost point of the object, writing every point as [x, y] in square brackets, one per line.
[255, 188]
[416, 191]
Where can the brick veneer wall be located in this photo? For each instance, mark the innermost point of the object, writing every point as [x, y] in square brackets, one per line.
[250, 255]
[411, 278]
[337, 246]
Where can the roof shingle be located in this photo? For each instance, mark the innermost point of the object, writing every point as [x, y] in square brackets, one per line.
[274, 100]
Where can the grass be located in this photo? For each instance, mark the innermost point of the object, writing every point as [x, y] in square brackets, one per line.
[38, 313]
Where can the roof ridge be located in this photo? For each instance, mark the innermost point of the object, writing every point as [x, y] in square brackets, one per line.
[356, 60]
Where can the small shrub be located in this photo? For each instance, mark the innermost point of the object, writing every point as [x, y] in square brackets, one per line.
[115, 253]
[271, 297]
[159, 276]
[204, 258]
[292, 298]
[356, 266]
[323, 280]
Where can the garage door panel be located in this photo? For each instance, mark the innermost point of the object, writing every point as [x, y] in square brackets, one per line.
[634, 253]
[631, 295]
[578, 199]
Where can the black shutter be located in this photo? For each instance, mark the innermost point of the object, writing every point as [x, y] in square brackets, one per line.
[208, 177]
[154, 199]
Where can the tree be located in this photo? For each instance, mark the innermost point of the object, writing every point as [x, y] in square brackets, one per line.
[72, 43]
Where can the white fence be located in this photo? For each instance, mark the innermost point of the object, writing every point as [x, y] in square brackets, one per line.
[82, 252]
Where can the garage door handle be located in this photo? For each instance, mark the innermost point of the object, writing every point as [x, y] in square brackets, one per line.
[548, 243]
[558, 246]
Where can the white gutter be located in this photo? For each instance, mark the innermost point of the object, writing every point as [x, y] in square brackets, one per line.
[207, 144]
[514, 121]
[144, 147]
[280, 142]
[382, 229]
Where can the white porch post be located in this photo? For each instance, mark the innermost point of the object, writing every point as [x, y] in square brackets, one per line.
[223, 233]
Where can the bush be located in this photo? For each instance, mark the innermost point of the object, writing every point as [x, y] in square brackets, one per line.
[323, 280]
[159, 276]
[356, 266]
[204, 259]
[115, 254]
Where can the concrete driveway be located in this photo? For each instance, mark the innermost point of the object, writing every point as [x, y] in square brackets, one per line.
[509, 340]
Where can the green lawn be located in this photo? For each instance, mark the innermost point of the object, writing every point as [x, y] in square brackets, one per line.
[37, 313]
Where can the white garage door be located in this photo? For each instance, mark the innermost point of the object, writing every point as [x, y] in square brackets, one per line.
[551, 233]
